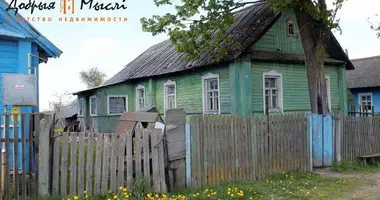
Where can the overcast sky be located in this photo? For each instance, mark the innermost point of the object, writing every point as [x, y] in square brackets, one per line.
[109, 46]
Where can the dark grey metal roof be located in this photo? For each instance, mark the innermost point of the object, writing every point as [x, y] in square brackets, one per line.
[162, 58]
[366, 73]
[69, 110]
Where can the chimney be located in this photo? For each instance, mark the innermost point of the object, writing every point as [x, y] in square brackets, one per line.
[347, 53]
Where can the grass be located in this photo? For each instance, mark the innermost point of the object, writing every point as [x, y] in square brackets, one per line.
[355, 166]
[280, 186]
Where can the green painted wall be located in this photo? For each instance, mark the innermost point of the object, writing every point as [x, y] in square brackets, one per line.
[189, 90]
[295, 88]
[276, 39]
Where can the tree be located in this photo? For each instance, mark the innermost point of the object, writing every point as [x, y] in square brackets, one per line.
[61, 100]
[375, 25]
[92, 77]
[192, 31]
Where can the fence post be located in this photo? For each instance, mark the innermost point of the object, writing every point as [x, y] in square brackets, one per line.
[188, 155]
[43, 157]
[338, 137]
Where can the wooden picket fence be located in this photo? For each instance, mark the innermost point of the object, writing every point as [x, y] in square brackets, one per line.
[101, 162]
[225, 148]
[19, 156]
[360, 136]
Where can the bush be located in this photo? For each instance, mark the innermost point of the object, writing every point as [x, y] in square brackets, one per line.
[141, 188]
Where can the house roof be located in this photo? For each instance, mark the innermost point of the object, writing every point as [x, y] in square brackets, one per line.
[250, 24]
[366, 73]
[69, 110]
[14, 28]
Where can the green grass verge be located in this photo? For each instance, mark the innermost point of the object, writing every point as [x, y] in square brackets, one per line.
[280, 186]
[354, 166]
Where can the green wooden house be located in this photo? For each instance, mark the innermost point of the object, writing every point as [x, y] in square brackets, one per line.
[268, 70]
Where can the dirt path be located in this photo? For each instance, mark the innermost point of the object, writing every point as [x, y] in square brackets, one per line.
[369, 192]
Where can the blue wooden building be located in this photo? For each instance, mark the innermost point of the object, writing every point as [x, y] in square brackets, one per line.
[22, 49]
[364, 83]
[19, 43]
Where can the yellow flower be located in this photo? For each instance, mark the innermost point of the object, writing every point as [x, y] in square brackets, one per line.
[307, 192]
[321, 195]
[108, 199]
[85, 192]
[86, 196]
[115, 197]
[76, 198]
[120, 188]
[232, 195]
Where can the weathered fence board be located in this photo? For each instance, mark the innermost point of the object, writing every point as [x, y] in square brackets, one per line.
[225, 148]
[102, 162]
[360, 136]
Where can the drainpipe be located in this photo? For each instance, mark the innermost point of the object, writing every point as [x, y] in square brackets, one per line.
[34, 70]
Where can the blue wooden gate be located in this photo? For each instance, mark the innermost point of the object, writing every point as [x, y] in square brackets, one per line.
[322, 140]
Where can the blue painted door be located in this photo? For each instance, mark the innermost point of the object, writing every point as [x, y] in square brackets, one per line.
[322, 137]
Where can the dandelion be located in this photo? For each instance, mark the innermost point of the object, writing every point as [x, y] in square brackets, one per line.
[115, 197]
[321, 195]
[76, 198]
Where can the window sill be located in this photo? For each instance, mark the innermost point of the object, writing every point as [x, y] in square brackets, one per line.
[118, 114]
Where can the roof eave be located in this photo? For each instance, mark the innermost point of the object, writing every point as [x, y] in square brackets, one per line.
[51, 50]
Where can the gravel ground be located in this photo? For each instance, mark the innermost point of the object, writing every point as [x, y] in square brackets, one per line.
[370, 192]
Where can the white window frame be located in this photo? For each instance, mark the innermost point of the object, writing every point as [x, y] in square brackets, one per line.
[80, 107]
[288, 23]
[168, 83]
[274, 73]
[360, 100]
[139, 87]
[327, 79]
[96, 104]
[108, 104]
[204, 78]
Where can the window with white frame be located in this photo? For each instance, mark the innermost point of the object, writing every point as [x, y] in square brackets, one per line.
[170, 95]
[291, 28]
[93, 105]
[211, 94]
[140, 97]
[272, 92]
[117, 104]
[80, 107]
[365, 102]
[327, 79]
